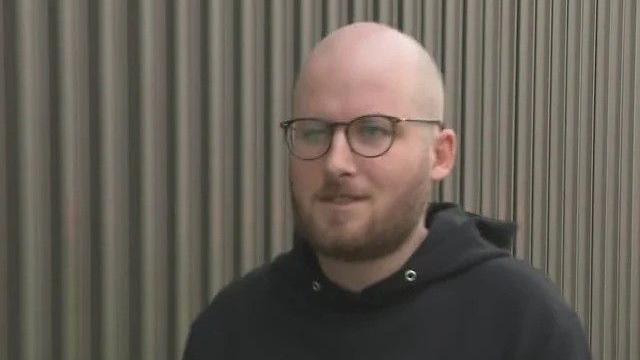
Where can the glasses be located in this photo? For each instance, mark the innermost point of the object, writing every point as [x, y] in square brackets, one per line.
[368, 135]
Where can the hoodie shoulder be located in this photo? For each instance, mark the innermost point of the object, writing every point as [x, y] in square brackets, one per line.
[238, 293]
[518, 276]
[544, 325]
[514, 281]
[212, 331]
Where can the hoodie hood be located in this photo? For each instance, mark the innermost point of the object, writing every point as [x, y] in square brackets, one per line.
[456, 242]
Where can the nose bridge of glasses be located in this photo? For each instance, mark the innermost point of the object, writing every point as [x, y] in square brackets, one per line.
[339, 157]
[338, 127]
[339, 131]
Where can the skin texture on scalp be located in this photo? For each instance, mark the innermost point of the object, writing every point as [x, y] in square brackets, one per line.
[367, 68]
[344, 56]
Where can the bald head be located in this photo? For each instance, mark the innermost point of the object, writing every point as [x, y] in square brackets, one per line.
[369, 67]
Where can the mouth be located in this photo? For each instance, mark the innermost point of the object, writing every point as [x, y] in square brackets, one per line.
[342, 199]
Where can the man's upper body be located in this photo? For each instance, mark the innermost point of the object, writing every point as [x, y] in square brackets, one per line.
[458, 297]
[376, 273]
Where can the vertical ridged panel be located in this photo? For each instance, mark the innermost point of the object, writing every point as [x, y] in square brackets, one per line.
[142, 167]
[634, 191]
[188, 181]
[309, 27]
[386, 12]
[427, 25]
[154, 235]
[74, 214]
[34, 128]
[114, 181]
[9, 156]
[489, 110]
[579, 166]
[336, 14]
[624, 255]
[524, 126]
[506, 108]
[470, 132]
[605, 178]
[363, 10]
[251, 118]
[4, 198]
[571, 113]
[556, 135]
[221, 123]
[452, 69]
[431, 32]
[411, 18]
[539, 171]
[281, 59]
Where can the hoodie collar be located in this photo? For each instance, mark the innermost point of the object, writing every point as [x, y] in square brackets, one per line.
[456, 242]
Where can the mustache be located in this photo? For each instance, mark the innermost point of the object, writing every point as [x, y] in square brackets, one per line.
[335, 189]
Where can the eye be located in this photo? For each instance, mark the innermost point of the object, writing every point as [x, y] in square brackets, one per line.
[311, 132]
[313, 135]
[373, 128]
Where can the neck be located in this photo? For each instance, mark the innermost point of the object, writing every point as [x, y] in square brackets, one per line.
[357, 276]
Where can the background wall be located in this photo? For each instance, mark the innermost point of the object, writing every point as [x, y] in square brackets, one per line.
[142, 168]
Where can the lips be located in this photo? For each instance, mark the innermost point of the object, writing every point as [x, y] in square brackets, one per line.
[341, 199]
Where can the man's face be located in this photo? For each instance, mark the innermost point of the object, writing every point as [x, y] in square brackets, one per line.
[350, 207]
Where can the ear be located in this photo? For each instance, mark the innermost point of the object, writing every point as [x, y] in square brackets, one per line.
[444, 154]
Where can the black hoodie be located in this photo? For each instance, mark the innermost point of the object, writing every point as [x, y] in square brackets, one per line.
[458, 297]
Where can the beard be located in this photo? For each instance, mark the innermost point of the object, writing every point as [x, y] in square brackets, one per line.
[381, 234]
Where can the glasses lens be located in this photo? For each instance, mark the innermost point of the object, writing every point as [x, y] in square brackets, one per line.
[309, 138]
[371, 135]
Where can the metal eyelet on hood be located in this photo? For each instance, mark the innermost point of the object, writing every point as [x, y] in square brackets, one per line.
[315, 285]
[410, 275]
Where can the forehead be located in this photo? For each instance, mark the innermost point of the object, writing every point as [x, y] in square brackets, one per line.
[345, 89]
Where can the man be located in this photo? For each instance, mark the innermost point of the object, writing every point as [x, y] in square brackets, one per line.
[375, 272]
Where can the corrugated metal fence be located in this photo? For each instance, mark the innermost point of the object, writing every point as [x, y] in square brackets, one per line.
[142, 168]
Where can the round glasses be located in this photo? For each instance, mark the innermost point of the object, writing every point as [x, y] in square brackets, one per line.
[368, 135]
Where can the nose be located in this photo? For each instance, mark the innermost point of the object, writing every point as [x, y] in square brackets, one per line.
[339, 160]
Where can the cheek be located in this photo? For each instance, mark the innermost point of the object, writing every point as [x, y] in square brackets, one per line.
[305, 178]
[399, 171]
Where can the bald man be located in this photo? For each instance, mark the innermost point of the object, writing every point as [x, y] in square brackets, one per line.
[376, 271]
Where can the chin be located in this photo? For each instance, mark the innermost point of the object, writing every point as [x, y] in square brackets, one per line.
[347, 245]
[349, 231]
[333, 232]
